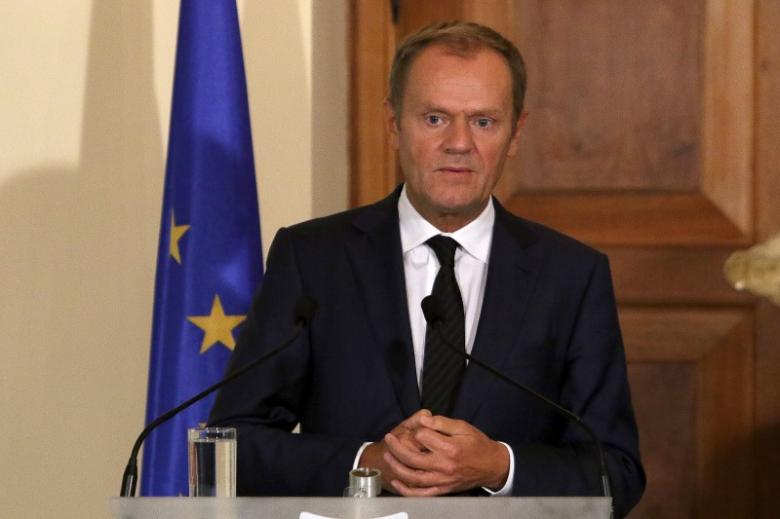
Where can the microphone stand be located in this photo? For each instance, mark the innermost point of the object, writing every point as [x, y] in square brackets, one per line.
[304, 311]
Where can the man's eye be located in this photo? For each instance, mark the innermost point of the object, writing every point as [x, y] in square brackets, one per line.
[433, 120]
[484, 122]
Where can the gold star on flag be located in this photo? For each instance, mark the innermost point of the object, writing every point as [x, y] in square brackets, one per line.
[217, 325]
[177, 231]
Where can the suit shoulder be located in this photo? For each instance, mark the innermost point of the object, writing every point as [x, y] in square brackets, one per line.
[334, 223]
[345, 223]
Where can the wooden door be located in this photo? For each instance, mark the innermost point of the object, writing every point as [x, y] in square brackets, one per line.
[652, 135]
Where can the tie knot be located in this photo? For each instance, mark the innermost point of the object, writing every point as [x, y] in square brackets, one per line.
[444, 247]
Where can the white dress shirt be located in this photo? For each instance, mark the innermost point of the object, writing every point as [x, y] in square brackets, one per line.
[420, 268]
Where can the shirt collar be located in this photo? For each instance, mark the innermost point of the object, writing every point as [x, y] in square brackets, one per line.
[475, 238]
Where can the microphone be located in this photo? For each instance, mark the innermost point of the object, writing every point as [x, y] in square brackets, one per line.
[305, 307]
[434, 315]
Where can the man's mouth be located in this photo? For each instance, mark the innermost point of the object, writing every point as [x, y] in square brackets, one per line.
[455, 169]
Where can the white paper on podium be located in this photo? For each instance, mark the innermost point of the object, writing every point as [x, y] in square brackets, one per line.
[308, 515]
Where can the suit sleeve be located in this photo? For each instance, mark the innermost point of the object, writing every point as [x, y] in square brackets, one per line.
[596, 388]
[266, 403]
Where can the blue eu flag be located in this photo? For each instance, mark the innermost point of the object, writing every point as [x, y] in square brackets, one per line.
[209, 260]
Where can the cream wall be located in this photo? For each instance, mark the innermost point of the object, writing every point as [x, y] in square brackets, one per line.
[84, 105]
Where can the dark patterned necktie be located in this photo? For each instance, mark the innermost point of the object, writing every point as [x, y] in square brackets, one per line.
[442, 367]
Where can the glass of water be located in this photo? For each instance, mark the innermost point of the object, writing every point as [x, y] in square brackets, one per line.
[212, 461]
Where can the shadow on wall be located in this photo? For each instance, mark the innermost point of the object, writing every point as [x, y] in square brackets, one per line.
[277, 83]
[78, 249]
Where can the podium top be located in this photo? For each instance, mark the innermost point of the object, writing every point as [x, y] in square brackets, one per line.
[352, 508]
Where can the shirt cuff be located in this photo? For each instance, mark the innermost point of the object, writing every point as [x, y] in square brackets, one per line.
[360, 453]
[506, 490]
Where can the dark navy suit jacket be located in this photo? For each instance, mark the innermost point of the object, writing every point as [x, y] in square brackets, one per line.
[548, 320]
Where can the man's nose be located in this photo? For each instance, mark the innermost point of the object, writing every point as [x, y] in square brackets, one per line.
[459, 138]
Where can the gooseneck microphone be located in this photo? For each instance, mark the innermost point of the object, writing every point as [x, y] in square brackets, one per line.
[434, 315]
[305, 307]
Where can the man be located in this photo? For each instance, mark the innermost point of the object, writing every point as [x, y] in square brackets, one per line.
[537, 305]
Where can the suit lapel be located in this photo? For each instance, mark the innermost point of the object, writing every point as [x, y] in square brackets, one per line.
[512, 274]
[377, 262]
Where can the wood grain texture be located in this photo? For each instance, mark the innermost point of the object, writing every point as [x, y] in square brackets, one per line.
[665, 407]
[688, 335]
[728, 100]
[725, 461]
[768, 224]
[416, 14]
[715, 392]
[767, 427]
[682, 276]
[630, 219]
[767, 114]
[372, 43]
[613, 95]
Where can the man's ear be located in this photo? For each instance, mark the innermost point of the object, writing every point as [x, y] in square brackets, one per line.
[515, 140]
[391, 123]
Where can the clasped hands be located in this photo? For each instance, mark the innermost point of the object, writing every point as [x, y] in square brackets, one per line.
[428, 455]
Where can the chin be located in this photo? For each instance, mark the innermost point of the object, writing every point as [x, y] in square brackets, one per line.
[460, 200]
[457, 206]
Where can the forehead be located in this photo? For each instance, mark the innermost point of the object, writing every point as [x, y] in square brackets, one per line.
[440, 74]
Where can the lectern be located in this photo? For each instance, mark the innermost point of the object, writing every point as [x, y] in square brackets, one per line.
[352, 508]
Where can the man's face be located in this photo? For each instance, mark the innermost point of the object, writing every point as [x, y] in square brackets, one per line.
[454, 132]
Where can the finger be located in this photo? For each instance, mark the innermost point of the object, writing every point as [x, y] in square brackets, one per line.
[408, 491]
[436, 442]
[413, 421]
[410, 424]
[407, 437]
[412, 477]
[411, 457]
[445, 425]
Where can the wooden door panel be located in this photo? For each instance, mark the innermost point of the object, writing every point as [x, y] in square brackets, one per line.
[767, 158]
[633, 137]
[668, 446]
[604, 114]
[767, 426]
[691, 374]
[630, 219]
[672, 276]
[372, 43]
